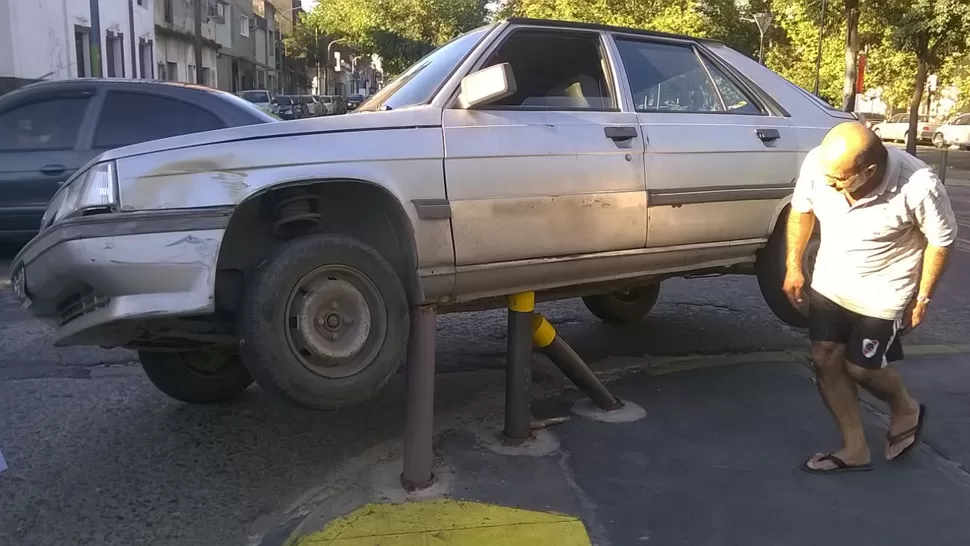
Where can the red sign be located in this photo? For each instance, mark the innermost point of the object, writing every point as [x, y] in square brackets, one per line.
[861, 74]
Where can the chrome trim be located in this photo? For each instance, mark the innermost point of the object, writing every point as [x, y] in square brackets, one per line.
[716, 194]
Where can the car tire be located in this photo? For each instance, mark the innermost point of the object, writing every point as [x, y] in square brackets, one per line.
[624, 307]
[770, 268]
[324, 322]
[196, 377]
[938, 141]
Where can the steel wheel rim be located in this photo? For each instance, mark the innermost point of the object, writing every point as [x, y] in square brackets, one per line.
[938, 140]
[207, 362]
[336, 321]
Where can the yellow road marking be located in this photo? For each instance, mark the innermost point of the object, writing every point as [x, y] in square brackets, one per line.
[448, 522]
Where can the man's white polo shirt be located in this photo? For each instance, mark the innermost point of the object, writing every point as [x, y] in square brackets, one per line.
[871, 252]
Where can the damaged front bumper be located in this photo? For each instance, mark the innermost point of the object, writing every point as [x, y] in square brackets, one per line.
[93, 278]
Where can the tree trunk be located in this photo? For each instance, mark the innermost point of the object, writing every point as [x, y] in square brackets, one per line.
[921, 71]
[851, 54]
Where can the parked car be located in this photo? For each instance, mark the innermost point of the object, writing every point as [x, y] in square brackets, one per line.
[565, 158]
[288, 107]
[50, 129]
[870, 119]
[955, 132]
[339, 104]
[326, 105]
[353, 101]
[314, 107]
[261, 98]
[897, 128]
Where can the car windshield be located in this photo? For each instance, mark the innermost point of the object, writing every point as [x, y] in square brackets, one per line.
[418, 84]
[255, 96]
[284, 101]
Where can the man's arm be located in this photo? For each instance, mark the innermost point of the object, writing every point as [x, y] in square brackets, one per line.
[934, 260]
[799, 231]
[935, 218]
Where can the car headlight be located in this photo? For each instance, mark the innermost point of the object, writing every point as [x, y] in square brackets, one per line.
[94, 191]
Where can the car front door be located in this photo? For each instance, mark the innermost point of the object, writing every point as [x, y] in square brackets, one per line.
[897, 127]
[718, 159]
[958, 132]
[40, 148]
[555, 169]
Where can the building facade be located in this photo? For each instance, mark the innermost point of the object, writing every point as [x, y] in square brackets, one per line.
[175, 41]
[52, 40]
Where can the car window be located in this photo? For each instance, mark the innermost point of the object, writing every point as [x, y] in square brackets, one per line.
[667, 77]
[555, 70]
[962, 120]
[255, 96]
[898, 118]
[51, 124]
[129, 118]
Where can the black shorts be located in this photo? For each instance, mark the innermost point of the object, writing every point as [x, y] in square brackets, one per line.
[870, 342]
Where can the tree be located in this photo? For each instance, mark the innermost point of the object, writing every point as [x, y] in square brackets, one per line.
[851, 54]
[932, 30]
[400, 31]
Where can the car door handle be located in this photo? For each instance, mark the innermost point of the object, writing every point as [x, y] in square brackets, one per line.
[53, 170]
[768, 135]
[621, 133]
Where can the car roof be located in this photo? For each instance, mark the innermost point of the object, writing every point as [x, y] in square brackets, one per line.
[54, 85]
[527, 21]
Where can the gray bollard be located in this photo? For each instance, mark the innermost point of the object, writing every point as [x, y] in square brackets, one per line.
[419, 412]
[518, 395]
[944, 161]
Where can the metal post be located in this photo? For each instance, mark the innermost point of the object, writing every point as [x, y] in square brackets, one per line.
[199, 73]
[571, 364]
[944, 160]
[95, 40]
[518, 414]
[419, 413]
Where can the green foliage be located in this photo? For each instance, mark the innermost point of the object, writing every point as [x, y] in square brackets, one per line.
[400, 31]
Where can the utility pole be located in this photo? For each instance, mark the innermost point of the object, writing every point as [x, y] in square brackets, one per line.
[818, 56]
[316, 55]
[326, 74]
[198, 43]
[95, 39]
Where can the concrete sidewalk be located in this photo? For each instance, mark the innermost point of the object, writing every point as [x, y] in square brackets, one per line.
[713, 462]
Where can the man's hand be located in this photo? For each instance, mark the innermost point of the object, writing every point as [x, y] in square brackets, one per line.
[794, 287]
[914, 315]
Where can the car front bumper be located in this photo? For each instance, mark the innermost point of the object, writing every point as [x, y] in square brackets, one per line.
[93, 278]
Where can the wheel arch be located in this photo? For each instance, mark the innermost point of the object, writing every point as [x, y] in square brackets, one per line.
[345, 205]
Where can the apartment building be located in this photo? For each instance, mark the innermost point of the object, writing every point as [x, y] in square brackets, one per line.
[52, 40]
[175, 40]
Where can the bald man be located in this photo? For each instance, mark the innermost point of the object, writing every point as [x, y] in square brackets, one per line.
[887, 226]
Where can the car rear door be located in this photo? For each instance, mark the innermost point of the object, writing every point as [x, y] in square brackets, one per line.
[40, 148]
[718, 159]
[553, 170]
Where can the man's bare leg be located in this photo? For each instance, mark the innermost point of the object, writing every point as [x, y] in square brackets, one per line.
[839, 393]
[887, 385]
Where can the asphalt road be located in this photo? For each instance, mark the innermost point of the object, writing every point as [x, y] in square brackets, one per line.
[97, 456]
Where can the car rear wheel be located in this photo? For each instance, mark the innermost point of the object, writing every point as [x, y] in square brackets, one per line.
[624, 307]
[771, 270]
[197, 377]
[324, 322]
[938, 140]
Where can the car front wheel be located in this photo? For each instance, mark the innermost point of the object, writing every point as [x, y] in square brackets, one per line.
[938, 140]
[324, 322]
[624, 307]
[771, 269]
[197, 377]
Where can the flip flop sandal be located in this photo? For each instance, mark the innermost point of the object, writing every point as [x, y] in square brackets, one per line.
[840, 466]
[915, 432]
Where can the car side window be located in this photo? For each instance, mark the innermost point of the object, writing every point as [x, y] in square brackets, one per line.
[130, 118]
[898, 118]
[43, 125]
[555, 70]
[962, 120]
[668, 77]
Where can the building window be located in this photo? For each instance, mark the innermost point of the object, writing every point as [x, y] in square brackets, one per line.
[82, 49]
[191, 74]
[244, 25]
[207, 77]
[115, 54]
[168, 11]
[172, 72]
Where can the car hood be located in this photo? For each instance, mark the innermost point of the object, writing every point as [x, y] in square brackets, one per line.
[361, 121]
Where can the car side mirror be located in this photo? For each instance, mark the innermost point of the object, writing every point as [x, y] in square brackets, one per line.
[486, 86]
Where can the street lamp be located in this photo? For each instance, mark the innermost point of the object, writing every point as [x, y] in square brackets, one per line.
[763, 20]
[818, 56]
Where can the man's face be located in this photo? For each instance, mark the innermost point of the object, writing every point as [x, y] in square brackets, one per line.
[847, 177]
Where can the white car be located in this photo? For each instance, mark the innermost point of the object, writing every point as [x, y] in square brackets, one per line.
[261, 98]
[897, 128]
[956, 132]
[569, 159]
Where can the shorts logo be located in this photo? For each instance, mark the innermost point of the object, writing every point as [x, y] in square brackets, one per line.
[869, 347]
